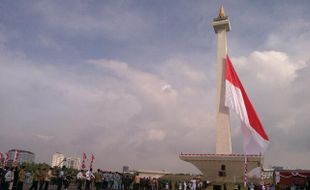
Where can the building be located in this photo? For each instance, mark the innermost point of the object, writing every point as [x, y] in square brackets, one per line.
[58, 160]
[23, 156]
[149, 173]
[286, 179]
[73, 162]
[125, 169]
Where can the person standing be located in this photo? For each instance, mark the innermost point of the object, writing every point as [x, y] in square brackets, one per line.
[2, 180]
[137, 182]
[80, 179]
[60, 177]
[67, 181]
[48, 177]
[35, 180]
[184, 185]
[42, 178]
[98, 179]
[194, 184]
[9, 177]
[89, 177]
[21, 178]
[15, 173]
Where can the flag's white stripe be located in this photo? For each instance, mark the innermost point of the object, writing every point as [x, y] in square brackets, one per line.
[234, 100]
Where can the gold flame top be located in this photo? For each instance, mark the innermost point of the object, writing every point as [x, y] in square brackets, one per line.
[222, 12]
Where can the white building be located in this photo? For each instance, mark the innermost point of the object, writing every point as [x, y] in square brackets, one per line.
[73, 162]
[58, 159]
[149, 173]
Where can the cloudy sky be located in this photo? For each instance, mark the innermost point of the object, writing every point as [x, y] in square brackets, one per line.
[134, 81]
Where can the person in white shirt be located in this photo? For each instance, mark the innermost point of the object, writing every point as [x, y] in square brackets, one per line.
[194, 185]
[80, 178]
[9, 177]
[89, 177]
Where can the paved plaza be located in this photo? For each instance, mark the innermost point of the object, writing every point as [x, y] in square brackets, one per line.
[54, 187]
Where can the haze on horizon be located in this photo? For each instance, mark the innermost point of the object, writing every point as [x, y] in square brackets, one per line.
[134, 81]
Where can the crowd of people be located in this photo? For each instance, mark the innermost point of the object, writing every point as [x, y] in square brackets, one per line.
[41, 178]
[14, 178]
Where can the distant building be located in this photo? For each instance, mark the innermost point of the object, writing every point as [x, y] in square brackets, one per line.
[73, 162]
[285, 178]
[24, 156]
[58, 159]
[125, 169]
[149, 173]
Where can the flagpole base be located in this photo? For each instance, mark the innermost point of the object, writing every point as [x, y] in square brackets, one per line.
[222, 168]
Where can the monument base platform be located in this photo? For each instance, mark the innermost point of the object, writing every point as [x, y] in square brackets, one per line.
[222, 168]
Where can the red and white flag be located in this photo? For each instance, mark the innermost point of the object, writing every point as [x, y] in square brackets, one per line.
[1, 158]
[92, 161]
[6, 159]
[255, 139]
[15, 160]
[83, 161]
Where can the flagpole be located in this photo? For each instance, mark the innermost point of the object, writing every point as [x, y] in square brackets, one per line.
[91, 162]
[15, 158]
[262, 170]
[6, 159]
[1, 158]
[245, 170]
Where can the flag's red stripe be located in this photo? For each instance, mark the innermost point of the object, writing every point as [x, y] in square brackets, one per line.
[255, 123]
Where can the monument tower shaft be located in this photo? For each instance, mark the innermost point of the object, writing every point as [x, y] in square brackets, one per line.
[221, 26]
[223, 166]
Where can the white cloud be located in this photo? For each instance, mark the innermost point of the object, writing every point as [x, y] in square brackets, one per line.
[291, 35]
[76, 110]
[269, 67]
[156, 134]
[147, 84]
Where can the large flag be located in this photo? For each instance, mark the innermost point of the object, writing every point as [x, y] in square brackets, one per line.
[6, 159]
[92, 161]
[83, 166]
[16, 157]
[255, 139]
[1, 157]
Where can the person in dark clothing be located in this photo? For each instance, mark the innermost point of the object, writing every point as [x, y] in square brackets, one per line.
[60, 178]
[16, 171]
[80, 177]
[2, 179]
[66, 182]
[224, 186]
[42, 178]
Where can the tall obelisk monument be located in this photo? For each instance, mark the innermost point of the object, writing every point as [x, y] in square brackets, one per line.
[223, 166]
[221, 26]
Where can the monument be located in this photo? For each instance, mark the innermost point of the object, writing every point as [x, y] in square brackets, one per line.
[224, 166]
